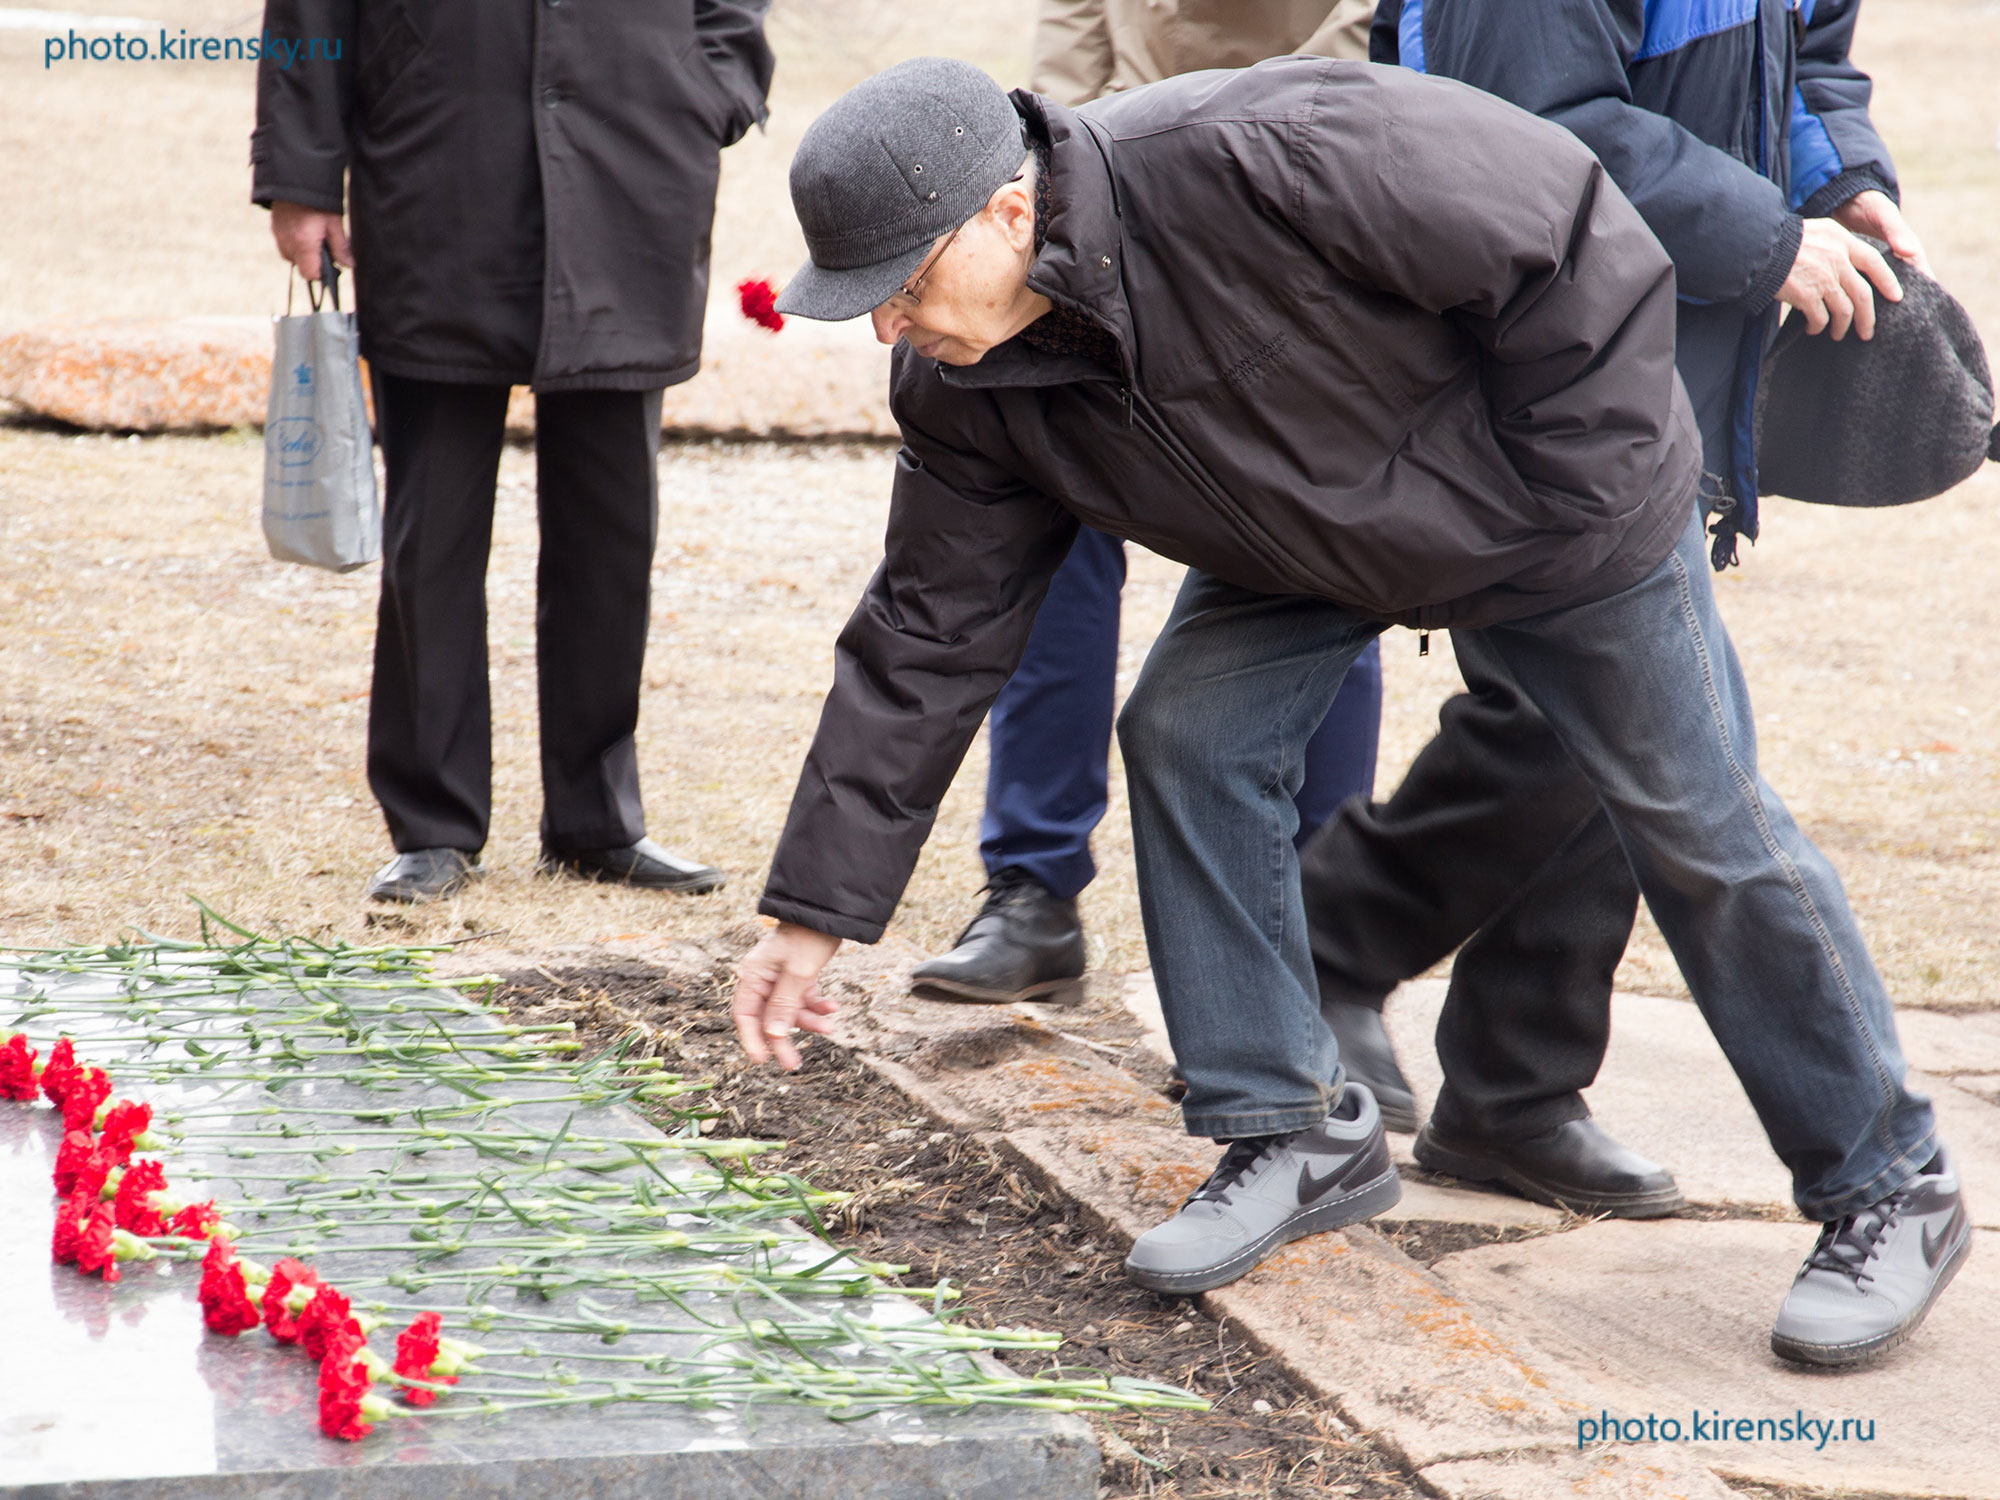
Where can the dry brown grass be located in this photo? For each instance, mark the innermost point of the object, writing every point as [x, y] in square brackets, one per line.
[184, 715]
[181, 714]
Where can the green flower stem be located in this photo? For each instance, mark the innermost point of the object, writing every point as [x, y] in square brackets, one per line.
[613, 1221]
[573, 1246]
[419, 1112]
[860, 1282]
[399, 1188]
[839, 1388]
[805, 1327]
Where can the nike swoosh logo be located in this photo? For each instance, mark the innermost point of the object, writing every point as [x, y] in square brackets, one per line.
[1934, 1248]
[1312, 1188]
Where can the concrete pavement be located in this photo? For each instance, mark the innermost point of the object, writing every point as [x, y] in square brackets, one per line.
[1669, 1318]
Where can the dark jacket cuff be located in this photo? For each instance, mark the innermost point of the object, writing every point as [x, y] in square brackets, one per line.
[819, 919]
[264, 194]
[1764, 287]
[1847, 185]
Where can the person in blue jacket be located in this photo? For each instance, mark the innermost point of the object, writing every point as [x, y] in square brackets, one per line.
[1740, 131]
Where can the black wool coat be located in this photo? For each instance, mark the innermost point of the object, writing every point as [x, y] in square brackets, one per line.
[532, 182]
[1380, 339]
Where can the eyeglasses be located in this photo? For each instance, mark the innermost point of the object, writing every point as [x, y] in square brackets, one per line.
[910, 293]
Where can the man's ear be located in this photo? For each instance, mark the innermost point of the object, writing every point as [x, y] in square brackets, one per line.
[1012, 209]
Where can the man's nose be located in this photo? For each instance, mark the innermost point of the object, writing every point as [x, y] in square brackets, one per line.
[890, 323]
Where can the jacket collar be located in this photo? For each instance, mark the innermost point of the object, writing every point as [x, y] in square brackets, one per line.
[1082, 260]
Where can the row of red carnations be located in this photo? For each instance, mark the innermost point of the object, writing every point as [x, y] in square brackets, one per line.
[112, 1206]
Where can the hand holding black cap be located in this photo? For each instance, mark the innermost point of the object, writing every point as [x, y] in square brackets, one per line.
[898, 160]
[1887, 421]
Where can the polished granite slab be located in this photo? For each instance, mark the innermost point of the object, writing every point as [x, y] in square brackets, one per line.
[117, 1393]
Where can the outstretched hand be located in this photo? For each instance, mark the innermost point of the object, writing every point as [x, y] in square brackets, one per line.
[777, 993]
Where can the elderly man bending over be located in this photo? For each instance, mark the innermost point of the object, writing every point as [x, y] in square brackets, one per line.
[1359, 347]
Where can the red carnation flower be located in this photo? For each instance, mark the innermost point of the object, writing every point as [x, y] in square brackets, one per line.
[80, 1162]
[196, 1222]
[60, 1071]
[340, 1410]
[69, 1225]
[94, 1243]
[122, 1122]
[17, 1069]
[225, 1301]
[347, 1408]
[327, 1311]
[87, 1090]
[134, 1214]
[759, 300]
[339, 1362]
[285, 1275]
[416, 1352]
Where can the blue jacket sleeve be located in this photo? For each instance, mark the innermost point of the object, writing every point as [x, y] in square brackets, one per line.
[1835, 150]
[1728, 228]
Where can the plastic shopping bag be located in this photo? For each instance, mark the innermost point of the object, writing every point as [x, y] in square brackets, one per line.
[319, 467]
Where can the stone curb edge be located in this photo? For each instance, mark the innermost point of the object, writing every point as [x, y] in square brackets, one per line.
[812, 381]
[1525, 1467]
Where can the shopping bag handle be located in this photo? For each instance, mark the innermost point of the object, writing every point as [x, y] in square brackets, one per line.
[317, 291]
[329, 280]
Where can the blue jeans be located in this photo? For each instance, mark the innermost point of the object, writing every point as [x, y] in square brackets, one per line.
[1049, 732]
[1645, 693]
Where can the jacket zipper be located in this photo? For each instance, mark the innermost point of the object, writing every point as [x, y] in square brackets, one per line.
[1157, 429]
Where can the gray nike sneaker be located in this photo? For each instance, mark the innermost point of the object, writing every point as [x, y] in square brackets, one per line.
[1268, 1191]
[1874, 1274]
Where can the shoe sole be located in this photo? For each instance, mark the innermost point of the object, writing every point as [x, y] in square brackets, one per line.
[1375, 1197]
[1835, 1355]
[1657, 1204]
[1048, 992]
[693, 885]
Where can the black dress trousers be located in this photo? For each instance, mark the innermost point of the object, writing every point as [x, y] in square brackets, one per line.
[1493, 841]
[430, 722]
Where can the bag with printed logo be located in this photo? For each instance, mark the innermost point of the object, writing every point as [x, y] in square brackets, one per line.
[319, 465]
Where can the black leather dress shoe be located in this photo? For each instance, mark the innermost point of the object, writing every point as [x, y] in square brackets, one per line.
[425, 875]
[643, 864]
[1576, 1166]
[1025, 944]
[1369, 1059]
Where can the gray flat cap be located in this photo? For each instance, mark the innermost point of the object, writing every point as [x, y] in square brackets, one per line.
[908, 155]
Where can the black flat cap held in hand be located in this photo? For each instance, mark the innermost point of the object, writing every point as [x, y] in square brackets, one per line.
[1899, 418]
[900, 159]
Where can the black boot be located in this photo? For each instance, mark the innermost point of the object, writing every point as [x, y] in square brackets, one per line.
[1369, 1059]
[1025, 944]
